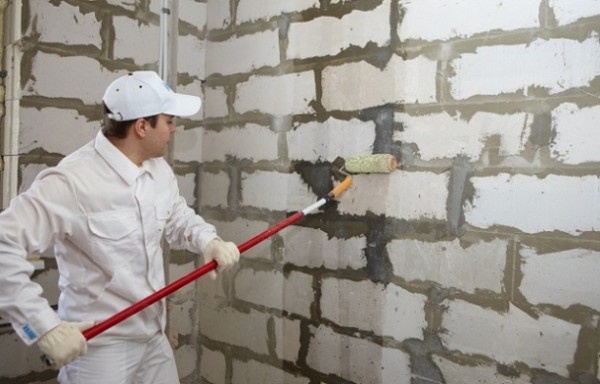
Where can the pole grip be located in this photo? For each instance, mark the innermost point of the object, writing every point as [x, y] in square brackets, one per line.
[341, 187]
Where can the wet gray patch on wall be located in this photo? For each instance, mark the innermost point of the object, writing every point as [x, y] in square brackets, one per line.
[541, 130]
[379, 267]
[316, 176]
[423, 369]
[456, 196]
[383, 117]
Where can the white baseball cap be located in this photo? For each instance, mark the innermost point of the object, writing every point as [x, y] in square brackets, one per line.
[143, 94]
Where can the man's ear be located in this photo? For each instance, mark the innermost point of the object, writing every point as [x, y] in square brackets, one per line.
[140, 127]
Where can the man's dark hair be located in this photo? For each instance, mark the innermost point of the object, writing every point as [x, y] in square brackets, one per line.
[120, 129]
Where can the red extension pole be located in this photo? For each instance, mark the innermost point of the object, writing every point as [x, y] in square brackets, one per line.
[195, 274]
[185, 280]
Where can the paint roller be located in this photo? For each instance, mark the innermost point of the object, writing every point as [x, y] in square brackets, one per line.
[379, 163]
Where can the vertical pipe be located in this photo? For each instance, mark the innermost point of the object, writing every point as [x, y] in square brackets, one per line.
[163, 54]
[10, 140]
[173, 35]
[165, 73]
[167, 56]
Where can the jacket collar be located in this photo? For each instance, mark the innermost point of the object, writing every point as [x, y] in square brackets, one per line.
[122, 165]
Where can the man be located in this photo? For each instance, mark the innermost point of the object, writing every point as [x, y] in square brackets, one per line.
[106, 208]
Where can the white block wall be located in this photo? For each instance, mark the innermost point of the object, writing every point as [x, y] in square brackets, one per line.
[474, 261]
[562, 278]
[254, 51]
[452, 264]
[482, 17]
[387, 311]
[76, 28]
[327, 140]
[312, 248]
[445, 136]
[281, 95]
[540, 342]
[356, 359]
[553, 65]
[361, 85]
[576, 134]
[338, 34]
[502, 199]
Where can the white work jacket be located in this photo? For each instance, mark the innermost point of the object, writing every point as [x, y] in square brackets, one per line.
[106, 218]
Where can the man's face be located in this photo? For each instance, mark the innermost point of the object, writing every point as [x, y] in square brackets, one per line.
[157, 138]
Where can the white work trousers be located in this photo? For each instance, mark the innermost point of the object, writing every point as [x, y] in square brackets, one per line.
[125, 362]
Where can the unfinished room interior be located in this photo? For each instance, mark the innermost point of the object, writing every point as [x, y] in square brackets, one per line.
[470, 254]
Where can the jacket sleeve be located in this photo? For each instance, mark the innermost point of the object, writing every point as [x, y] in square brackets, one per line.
[30, 224]
[184, 228]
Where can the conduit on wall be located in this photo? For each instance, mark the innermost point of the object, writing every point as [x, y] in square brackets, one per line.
[167, 56]
[167, 70]
[10, 139]
[163, 64]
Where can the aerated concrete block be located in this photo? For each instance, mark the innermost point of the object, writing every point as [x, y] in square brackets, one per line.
[480, 266]
[49, 78]
[287, 339]
[564, 278]
[356, 360]
[567, 12]
[399, 194]
[290, 194]
[188, 144]
[128, 35]
[555, 65]
[215, 102]
[251, 141]
[213, 366]
[249, 10]
[214, 189]
[465, 18]
[357, 29]
[64, 24]
[316, 141]
[191, 52]
[533, 204]
[293, 292]
[544, 342]
[445, 136]
[577, 134]
[481, 373]
[283, 95]
[306, 247]
[262, 373]
[229, 326]
[252, 51]
[384, 310]
[45, 128]
[360, 85]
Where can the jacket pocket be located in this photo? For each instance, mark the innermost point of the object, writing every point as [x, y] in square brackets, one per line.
[114, 236]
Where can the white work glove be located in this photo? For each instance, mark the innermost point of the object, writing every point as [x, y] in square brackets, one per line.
[225, 253]
[64, 343]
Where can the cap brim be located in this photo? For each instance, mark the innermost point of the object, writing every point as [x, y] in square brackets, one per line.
[184, 105]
